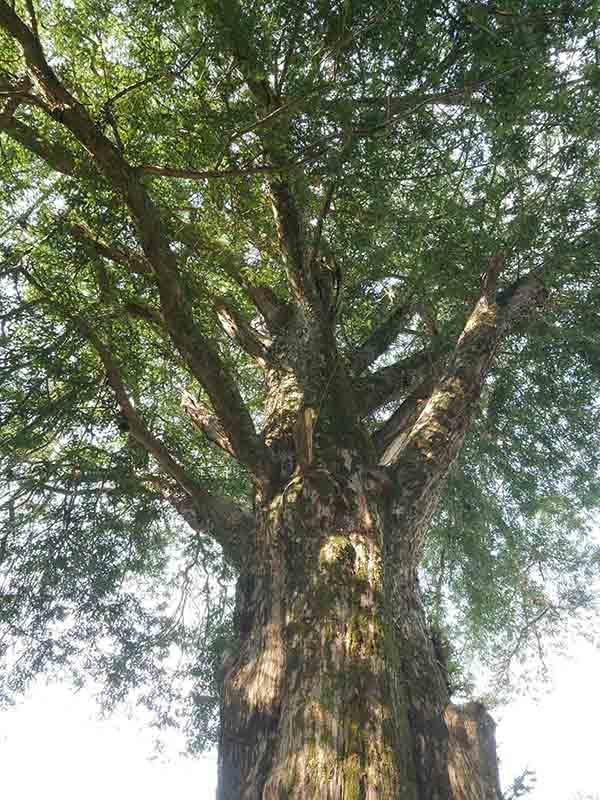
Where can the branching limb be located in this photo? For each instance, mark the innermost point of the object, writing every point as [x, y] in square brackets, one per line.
[530, 626]
[273, 310]
[210, 511]
[137, 427]
[196, 350]
[147, 313]
[205, 421]
[289, 217]
[323, 214]
[422, 458]
[134, 262]
[382, 337]
[397, 427]
[228, 524]
[57, 157]
[489, 279]
[21, 220]
[109, 161]
[292, 237]
[236, 327]
[392, 382]
[62, 160]
[32, 18]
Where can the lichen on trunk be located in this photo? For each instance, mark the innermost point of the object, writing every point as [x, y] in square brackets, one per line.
[335, 691]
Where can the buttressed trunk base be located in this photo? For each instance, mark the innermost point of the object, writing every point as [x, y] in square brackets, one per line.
[332, 693]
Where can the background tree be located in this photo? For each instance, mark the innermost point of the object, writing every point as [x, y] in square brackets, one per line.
[320, 280]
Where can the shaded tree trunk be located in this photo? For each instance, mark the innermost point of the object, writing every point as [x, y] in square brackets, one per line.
[335, 691]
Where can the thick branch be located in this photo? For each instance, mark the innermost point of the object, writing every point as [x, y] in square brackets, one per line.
[137, 428]
[392, 382]
[489, 279]
[208, 513]
[381, 338]
[147, 313]
[288, 216]
[274, 311]
[206, 422]
[228, 524]
[422, 459]
[236, 327]
[398, 426]
[292, 236]
[234, 324]
[56, 156]
[135, 262]
[62, 160]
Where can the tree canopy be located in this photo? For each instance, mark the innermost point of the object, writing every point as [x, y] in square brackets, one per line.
[159, 163]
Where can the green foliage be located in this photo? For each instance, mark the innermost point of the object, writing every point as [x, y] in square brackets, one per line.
[451, 131]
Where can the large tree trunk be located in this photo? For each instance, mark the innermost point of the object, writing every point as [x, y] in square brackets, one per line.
[335, 691]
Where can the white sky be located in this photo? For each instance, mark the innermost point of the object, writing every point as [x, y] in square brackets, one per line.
[53, 746]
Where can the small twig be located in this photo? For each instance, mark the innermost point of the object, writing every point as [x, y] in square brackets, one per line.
[262, 121]
[192, 174]
[168, 74]
[522, 637]
[23, 218]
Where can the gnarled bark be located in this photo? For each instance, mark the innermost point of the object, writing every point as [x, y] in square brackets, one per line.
[334, 690]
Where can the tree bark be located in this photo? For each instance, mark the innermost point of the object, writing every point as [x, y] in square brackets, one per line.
[334, 690]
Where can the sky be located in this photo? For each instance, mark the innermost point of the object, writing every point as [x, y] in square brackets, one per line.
[53, 745]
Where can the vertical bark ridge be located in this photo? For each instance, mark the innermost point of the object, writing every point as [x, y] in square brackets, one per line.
[426, 688]
[253, 676]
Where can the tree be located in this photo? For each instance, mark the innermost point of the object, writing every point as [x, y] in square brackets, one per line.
[319, 280]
